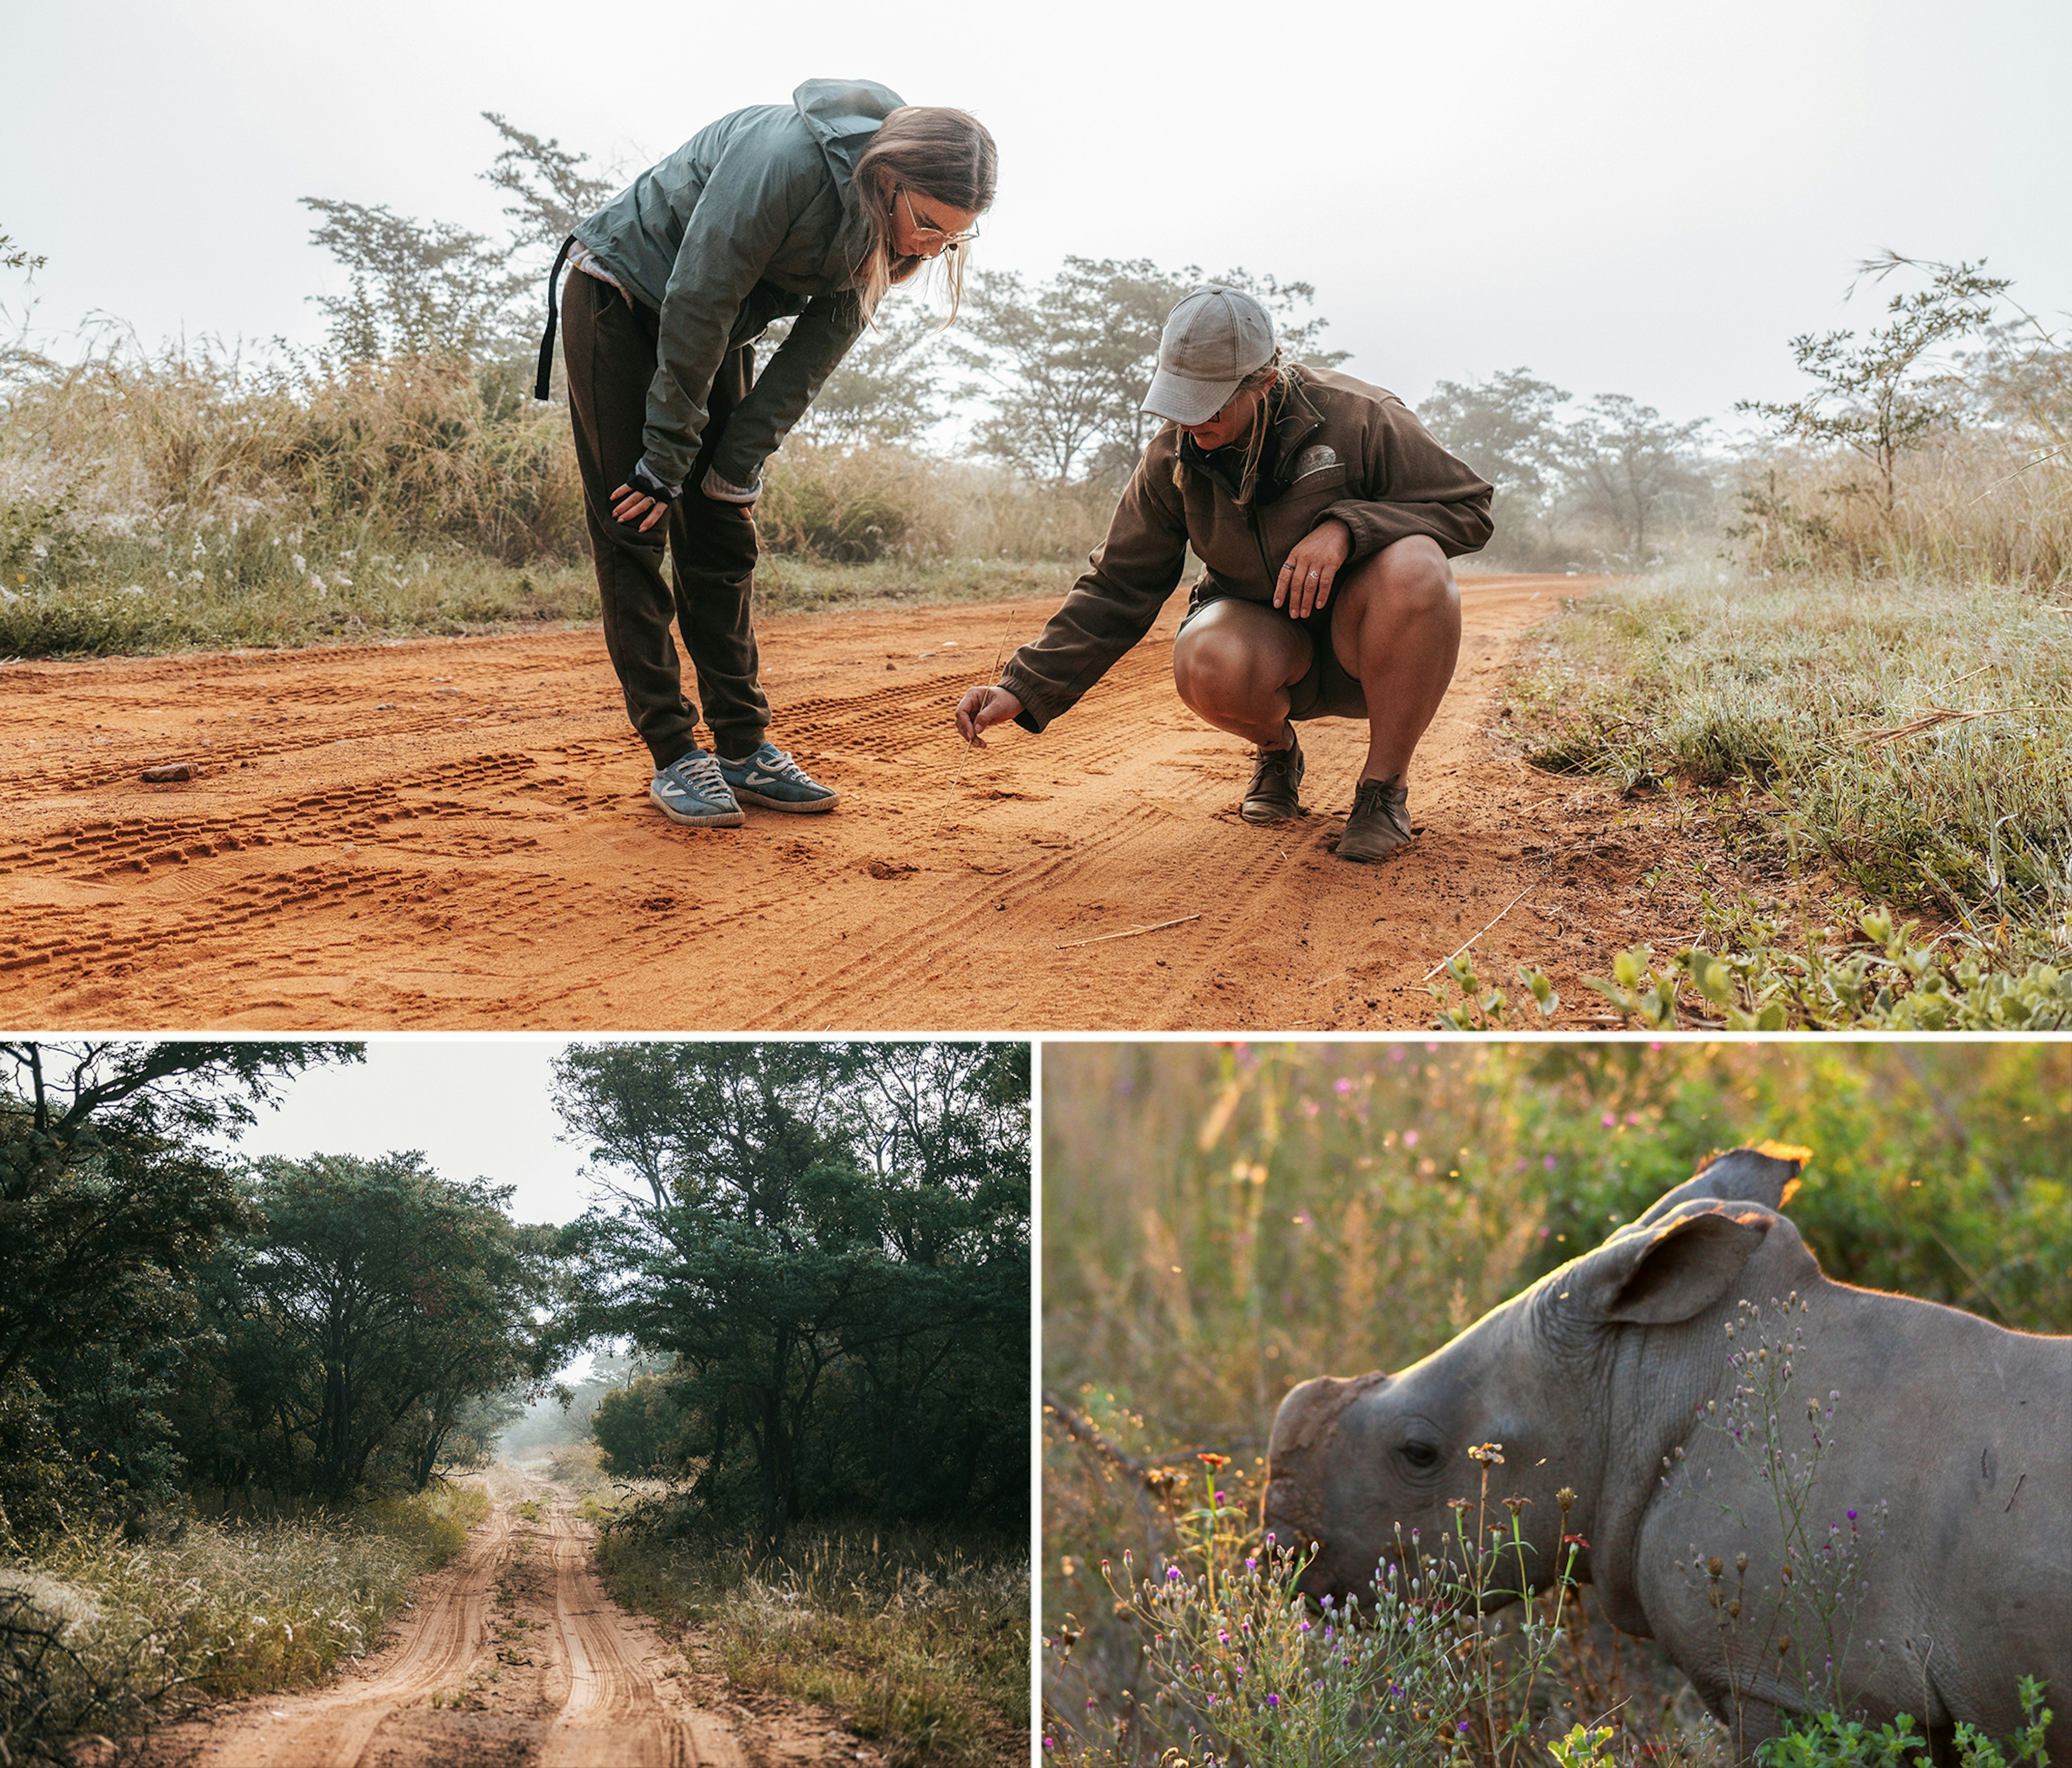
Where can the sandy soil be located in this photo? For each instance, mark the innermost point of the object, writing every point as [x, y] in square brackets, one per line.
[515, 1657]
[456, 833]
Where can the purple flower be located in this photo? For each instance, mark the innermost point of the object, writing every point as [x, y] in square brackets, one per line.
[1173, 1574]
[1852, 1516]
[1274, 1700]
[1342, 1085]
[1609, 1120]
[1548, 1163]
[1251, 1565]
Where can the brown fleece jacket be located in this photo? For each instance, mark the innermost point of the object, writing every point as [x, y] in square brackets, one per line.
[1344, 450]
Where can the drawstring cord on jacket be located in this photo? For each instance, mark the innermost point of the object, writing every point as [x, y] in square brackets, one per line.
[553, 317]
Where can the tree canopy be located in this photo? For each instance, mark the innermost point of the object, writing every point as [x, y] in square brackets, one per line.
[831, 1243]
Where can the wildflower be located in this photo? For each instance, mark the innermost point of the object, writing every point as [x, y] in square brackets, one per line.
[1274, 1700]
[1565, 1498]
[1219, 1462]
[1410, 1138]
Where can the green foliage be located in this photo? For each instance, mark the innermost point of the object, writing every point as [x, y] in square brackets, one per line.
[1828, 1740]
[1629, 467]
[378, 1303]
[919, 1637]
[1890, 983]
[831, 1241]
[1613, 481]
[886, 391]
[108, 1214]
[640, 1429]
[417, 290]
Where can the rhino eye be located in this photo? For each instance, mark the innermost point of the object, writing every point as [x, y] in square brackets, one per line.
[1421, 1456]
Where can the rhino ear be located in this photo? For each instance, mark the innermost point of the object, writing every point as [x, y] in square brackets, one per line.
[1658, 1275]
[1767, 1173]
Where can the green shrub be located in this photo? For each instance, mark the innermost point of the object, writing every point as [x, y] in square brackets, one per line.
[1827, 1740]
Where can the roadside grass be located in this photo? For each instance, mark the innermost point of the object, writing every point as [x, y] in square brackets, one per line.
[99, 1634]
[918, 1638]
[184, 497]
[456, 596]
[1906, 739]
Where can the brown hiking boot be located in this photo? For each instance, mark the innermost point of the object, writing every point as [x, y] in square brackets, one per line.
[1274, 794]
[1380, 822]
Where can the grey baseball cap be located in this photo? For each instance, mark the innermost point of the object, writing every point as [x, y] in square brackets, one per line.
[1213, 338]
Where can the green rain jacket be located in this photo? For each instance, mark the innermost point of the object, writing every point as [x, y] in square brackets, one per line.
[753, 219]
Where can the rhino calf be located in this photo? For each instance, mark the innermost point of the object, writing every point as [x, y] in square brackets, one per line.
[1946, 1459]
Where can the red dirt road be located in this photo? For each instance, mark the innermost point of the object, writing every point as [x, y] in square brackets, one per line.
[514, 1657]
[456, 834]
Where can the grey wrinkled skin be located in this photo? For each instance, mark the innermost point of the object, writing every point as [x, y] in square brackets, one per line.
[1599, 1372]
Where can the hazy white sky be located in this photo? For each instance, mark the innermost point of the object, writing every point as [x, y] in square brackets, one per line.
[1623, 196]
[477, 1107]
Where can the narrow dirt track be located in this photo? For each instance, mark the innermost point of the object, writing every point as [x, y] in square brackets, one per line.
[514, 1658]
[456, 834]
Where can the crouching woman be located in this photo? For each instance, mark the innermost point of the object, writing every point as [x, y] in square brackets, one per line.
[809, 210]
[1325, 515]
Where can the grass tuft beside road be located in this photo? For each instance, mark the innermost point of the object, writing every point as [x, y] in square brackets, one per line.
[1909, 739]
[99, 1633]
[918, 1638]
[462, 596]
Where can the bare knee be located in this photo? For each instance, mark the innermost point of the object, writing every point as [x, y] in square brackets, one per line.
[1218, 671]
[1412, 579]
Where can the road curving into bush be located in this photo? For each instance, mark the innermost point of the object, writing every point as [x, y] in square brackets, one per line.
[456, 834]
[514, 1654]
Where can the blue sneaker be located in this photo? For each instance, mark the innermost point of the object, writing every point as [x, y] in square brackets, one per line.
[693, 790]
[771, 779]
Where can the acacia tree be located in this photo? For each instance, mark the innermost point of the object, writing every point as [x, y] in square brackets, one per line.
[1876, 397]
[1630, 465]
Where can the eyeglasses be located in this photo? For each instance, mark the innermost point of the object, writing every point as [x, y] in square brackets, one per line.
[924, 234]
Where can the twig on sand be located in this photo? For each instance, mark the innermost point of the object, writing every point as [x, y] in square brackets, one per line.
[1458, 949]
[1127, 933]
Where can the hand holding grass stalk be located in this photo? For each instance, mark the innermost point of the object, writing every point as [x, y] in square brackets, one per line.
[981, 709]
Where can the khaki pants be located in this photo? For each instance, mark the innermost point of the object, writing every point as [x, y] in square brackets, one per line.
[609, 346]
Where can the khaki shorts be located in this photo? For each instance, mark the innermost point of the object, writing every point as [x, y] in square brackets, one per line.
[1326, 691]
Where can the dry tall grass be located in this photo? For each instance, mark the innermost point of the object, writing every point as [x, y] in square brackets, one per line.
[1985, 504]
[101, 1634]
[918, 1638]
[150, 500]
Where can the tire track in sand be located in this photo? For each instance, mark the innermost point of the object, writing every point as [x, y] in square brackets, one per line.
[456, 834]
[515, 1657]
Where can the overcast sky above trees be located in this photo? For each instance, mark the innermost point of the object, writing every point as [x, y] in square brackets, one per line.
[1620, 195]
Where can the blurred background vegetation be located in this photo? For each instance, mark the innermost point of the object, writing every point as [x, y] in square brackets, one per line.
[1221, 1223]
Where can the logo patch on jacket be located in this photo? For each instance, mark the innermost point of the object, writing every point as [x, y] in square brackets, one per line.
[1315, 460]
